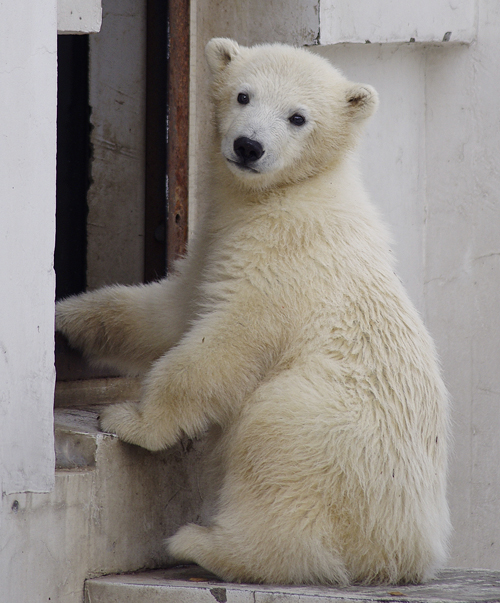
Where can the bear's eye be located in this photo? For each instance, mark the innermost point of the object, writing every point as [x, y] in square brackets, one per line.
[297, 119]
[243, 98]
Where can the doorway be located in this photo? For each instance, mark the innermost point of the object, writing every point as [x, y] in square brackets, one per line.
[122, 171]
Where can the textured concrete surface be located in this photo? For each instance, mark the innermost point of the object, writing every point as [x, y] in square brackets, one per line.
[191, 584]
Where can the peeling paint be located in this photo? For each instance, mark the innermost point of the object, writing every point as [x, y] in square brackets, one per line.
[219, 594]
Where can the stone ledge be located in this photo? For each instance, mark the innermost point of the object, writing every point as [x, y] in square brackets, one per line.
[79, 16]
[89, 392]
[191, 584]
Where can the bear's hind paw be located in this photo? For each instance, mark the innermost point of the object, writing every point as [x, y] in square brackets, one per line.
[189, 543]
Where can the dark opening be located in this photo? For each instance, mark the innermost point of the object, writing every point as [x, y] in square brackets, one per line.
[73, 155]
[155, 219]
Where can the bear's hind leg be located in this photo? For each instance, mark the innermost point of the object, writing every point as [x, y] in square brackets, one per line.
[201, 545]
[273, 523]
[251, 552]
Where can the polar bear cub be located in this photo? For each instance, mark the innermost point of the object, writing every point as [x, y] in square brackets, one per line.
[286, 326]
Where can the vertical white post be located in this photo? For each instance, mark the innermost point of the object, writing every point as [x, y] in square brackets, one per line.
[28, 103]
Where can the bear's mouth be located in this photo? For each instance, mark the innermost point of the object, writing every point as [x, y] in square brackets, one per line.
[243, 166]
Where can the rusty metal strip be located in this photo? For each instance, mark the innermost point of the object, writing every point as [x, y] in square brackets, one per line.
[167, 102]
[178, 129]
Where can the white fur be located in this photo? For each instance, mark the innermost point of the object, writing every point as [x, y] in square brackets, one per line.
[286, 326]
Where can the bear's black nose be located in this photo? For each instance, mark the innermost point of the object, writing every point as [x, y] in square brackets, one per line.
[248, 150]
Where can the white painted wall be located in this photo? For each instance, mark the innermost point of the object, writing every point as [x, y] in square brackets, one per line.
[462, 273]
[430, 159]
[28, 101]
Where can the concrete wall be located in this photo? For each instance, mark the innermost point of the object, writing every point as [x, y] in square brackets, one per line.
[428, 158]
[28, 102]
[462, 273]
[430, 161]
[387, 21]
[115, 223]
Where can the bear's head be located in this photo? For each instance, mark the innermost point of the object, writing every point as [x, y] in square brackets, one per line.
[282, 114]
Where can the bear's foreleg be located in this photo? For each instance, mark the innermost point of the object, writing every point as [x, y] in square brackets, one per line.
[201, 381]
[128, 327]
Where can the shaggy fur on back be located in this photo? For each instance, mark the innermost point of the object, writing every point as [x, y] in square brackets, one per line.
[286, 326]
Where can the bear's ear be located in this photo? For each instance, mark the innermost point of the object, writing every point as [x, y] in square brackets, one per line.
[220, 52]
[362, 101]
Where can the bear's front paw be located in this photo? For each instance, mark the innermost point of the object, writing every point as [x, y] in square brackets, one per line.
[120, 418]
[124, 420]
[132, 424]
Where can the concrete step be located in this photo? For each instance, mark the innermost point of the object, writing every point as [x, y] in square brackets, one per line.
[111, 509]
[133, 499]
[191, 584]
